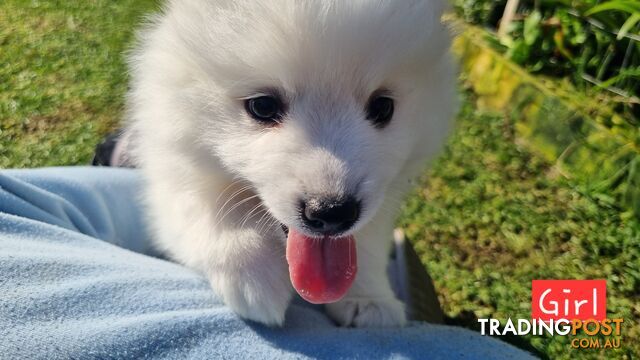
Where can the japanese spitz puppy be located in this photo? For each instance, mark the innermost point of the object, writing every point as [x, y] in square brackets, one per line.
[277, 138]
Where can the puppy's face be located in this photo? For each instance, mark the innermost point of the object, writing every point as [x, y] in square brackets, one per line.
[320, 105]
[320, 157]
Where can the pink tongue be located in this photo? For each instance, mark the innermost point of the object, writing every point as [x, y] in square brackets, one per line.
[321, 270]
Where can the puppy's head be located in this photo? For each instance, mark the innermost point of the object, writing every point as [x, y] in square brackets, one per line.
[319, 104]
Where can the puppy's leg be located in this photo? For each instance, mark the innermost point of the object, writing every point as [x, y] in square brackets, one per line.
[249, 271]
[371, 302]
[240, 250]
[246, 264]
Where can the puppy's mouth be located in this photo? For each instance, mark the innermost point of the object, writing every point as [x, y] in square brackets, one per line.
[322, 269]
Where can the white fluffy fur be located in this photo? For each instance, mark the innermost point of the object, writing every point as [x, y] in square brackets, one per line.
[219, 184]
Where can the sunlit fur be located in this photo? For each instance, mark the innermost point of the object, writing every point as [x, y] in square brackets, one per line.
[219, 183]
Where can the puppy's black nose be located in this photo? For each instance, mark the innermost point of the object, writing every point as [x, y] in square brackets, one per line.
[330, 216]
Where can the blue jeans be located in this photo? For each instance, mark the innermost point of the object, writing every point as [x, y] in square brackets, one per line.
[78, 280]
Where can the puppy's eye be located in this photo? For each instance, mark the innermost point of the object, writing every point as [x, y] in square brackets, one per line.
[380, 110]
[265, 109]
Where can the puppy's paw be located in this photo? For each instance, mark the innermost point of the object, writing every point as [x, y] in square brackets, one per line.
[364, 312]
[264, 300]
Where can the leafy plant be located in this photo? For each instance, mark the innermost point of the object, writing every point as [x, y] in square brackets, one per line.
[593, 43]
[596, 45]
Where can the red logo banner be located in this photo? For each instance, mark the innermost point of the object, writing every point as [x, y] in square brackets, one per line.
[569, 299]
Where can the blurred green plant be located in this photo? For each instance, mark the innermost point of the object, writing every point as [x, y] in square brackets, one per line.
[593, 43]
[596, 46]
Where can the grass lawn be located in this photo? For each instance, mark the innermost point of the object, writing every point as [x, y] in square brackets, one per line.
[62, 76]
[488, 219]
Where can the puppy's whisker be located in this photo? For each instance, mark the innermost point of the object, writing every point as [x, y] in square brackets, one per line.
[232, 184]
[222, 193]
[235, 206]
[268, 221]
[237, 193]
[232, 208]
[263, 220]
[273, 223]
[246, 217]
[229, 199]
[258, 224]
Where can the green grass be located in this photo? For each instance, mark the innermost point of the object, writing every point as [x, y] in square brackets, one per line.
[489, 218]
[62, 76]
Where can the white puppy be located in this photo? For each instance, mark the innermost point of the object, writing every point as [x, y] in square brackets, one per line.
[254, 119]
